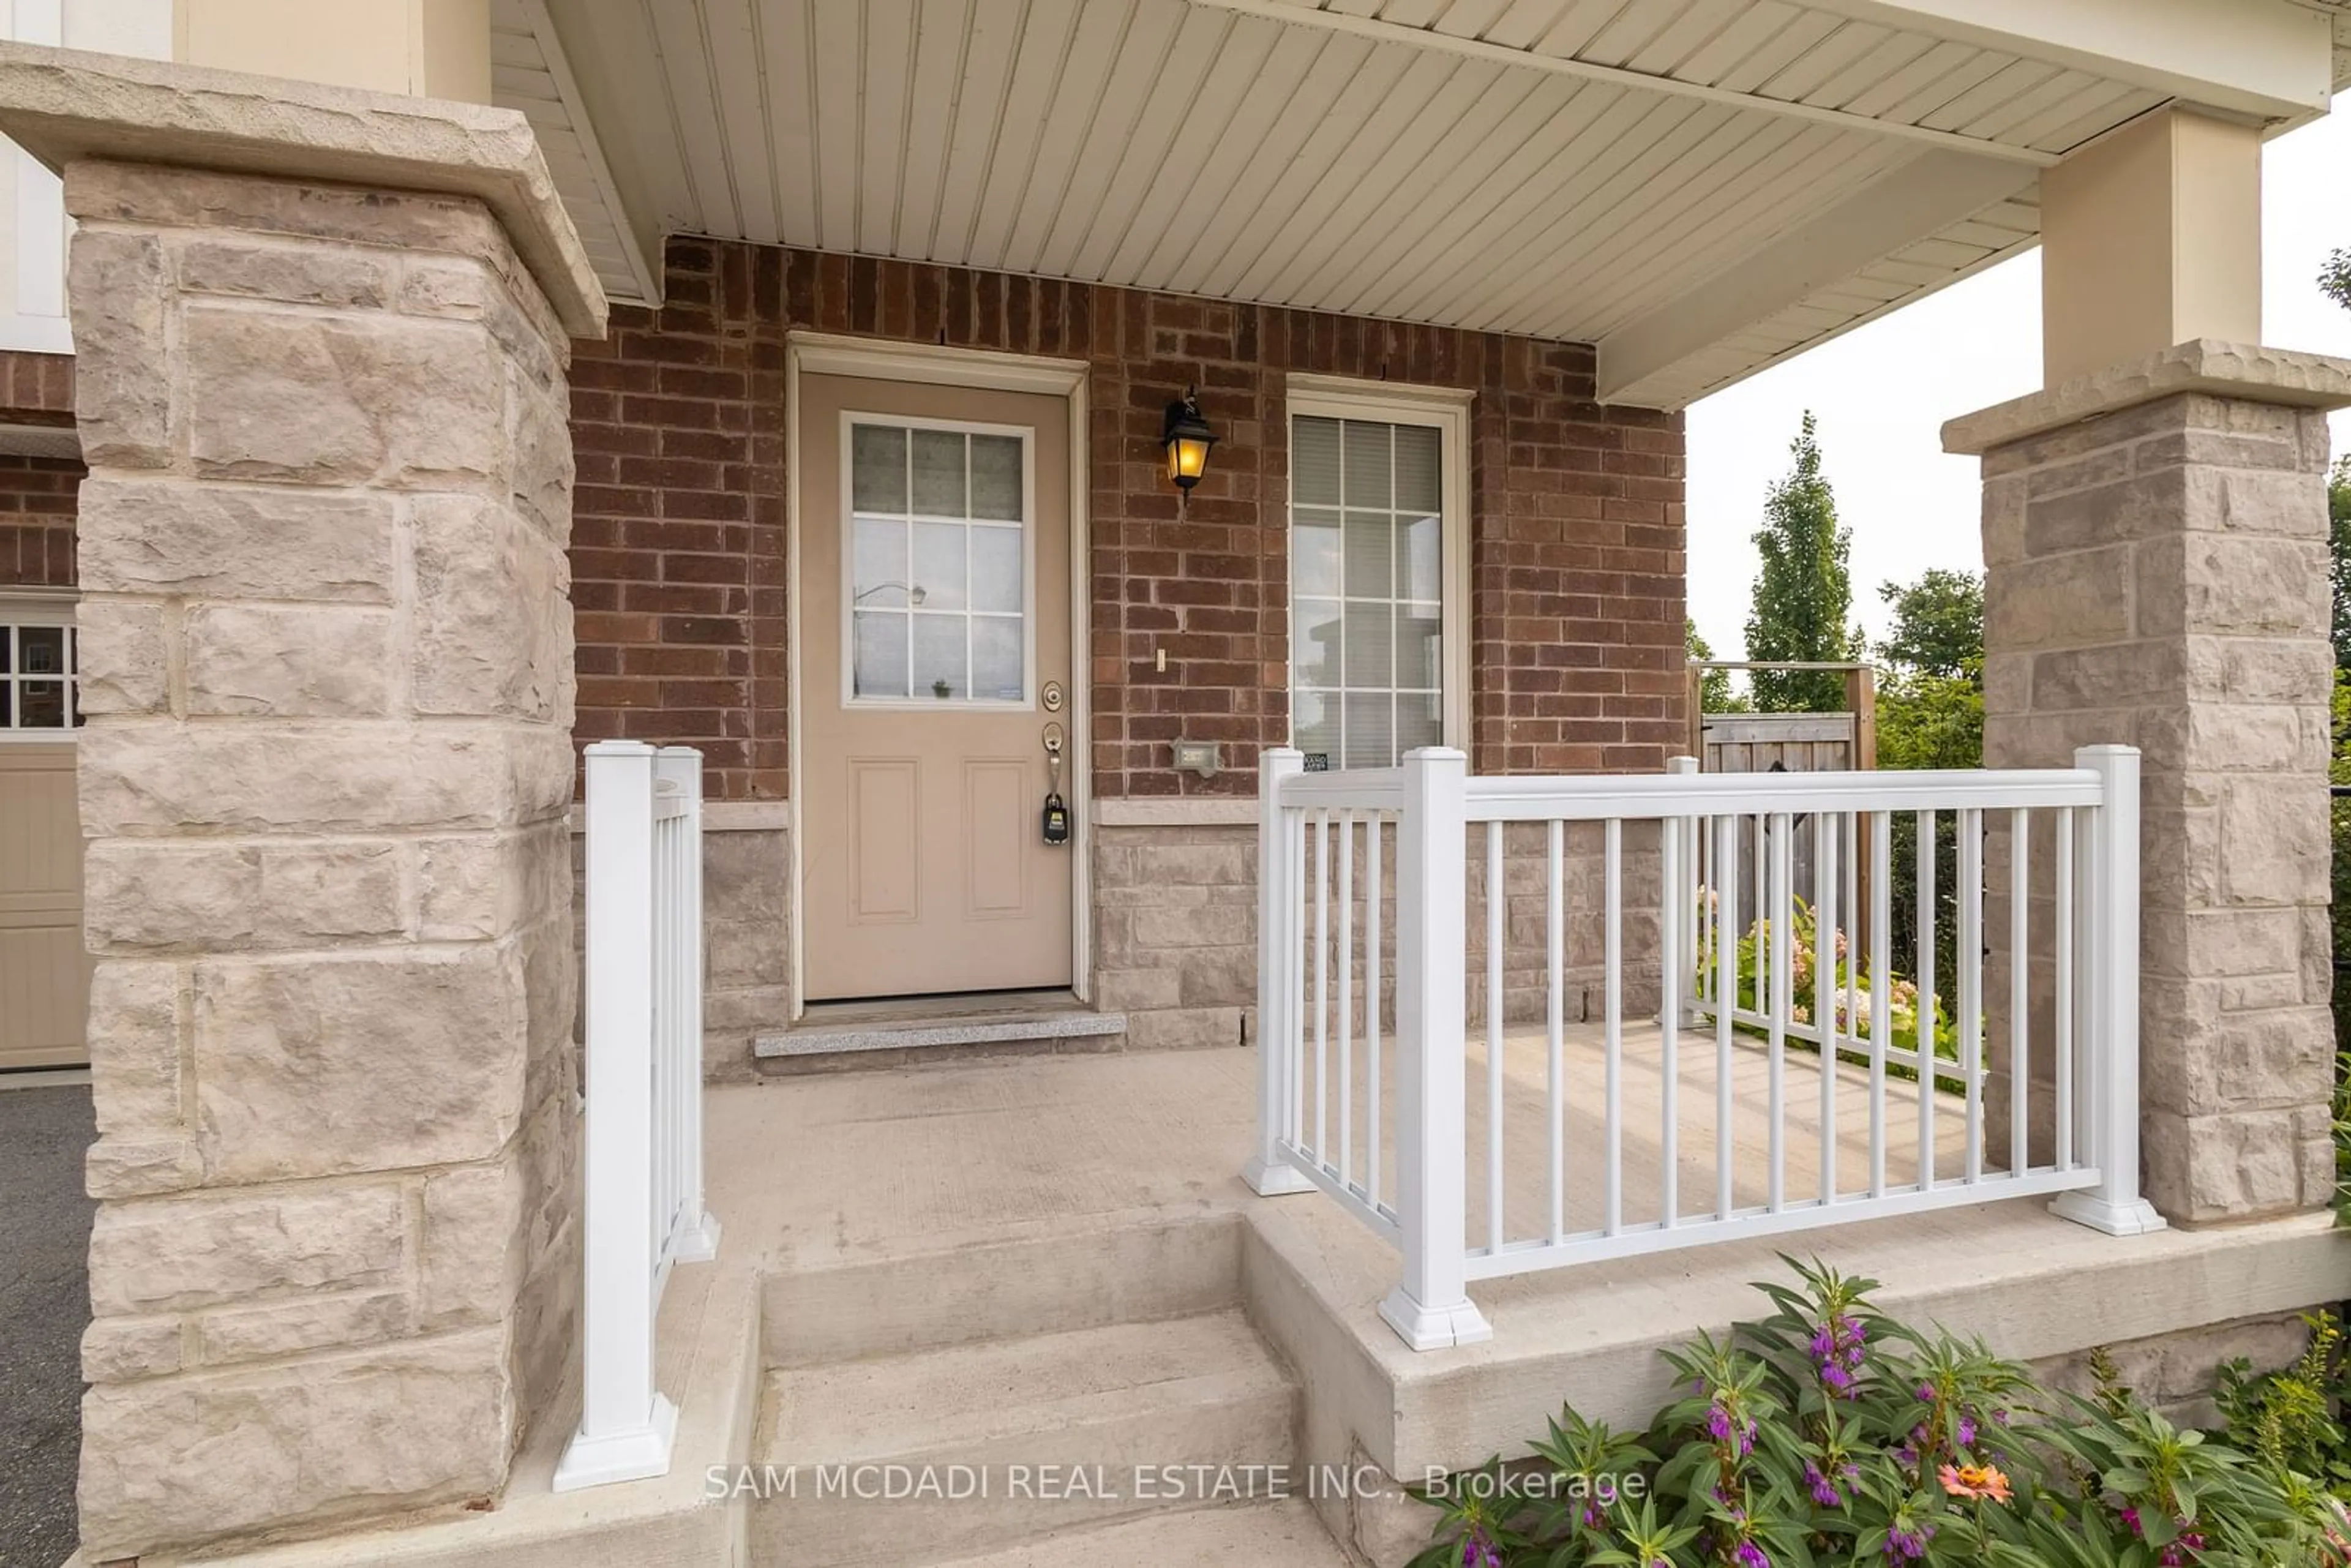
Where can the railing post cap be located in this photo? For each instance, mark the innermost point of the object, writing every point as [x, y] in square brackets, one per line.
[1437, 753]
[2107, 749]
[621, 748]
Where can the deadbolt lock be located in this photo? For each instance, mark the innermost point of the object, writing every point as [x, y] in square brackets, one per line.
[1051, 696]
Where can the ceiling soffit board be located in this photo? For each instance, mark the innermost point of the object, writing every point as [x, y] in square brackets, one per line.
[1454, 171]
[1929, 193]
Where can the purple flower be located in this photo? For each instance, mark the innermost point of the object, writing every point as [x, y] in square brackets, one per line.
[1825, 1491]
[1478, 1549]
[1967, 1432]
[1722, 1429]
[1750, 1555]
[1906, 1545]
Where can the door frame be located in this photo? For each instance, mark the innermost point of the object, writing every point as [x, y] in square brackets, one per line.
[926, 364]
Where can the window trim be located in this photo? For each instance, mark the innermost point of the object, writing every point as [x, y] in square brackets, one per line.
[23, 608]
[1447, 410]
[850, 697]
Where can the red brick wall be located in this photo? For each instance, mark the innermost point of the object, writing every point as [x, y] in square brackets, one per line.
[37, 521]
[678, 554]
[36, 494]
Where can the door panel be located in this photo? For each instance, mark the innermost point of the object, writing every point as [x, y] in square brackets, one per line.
[44, 970]
[934, 606]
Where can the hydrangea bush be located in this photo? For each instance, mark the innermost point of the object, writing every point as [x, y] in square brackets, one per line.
[1850, 987]
[1829, 1435]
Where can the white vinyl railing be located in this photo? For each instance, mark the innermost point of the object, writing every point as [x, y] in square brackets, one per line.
[644, 1210]
[1692, 1021]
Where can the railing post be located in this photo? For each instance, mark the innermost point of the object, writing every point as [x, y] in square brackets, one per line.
[1431, 1307]
[1267, 1173]
[626, 1426]
[697, 1237]
[2110, 1109]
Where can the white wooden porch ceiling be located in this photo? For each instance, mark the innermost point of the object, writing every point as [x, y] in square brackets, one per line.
[1701, 186]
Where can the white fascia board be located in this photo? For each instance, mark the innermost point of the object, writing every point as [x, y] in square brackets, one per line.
[1901, 207]
[2270, 59]
[640, 238]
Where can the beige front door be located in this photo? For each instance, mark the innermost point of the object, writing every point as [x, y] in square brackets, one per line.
[44, 972]
[935, 661]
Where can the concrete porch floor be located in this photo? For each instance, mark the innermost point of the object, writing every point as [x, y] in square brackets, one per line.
[861, 1208]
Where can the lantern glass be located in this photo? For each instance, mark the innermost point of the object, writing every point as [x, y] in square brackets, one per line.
[1187, 459]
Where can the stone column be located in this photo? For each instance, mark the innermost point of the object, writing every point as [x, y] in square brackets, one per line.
[2155, 542]
[327, 655]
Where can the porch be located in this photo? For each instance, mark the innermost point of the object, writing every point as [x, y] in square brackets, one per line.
[362, 437]
[968, 1248]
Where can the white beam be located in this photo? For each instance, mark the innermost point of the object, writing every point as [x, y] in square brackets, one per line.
[1293, 14]
[1901, 207]
[2272, 59]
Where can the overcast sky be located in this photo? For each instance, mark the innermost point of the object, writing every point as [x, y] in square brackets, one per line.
[1883, 393]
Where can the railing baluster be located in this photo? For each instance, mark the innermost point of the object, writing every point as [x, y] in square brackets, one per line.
[1495, 928]
[1780, 911]
[1612, 919]
[2020, 1001]
[1971, 978]
[1708, 906]
[1555, 1014]
[1374, 901]
[1828, 998]
[1725, 1003]
[1881, 987]
[1346, 998]
[1926, 1001]
[1294, 926]
[1671, 842]
[1849, 851]
[1321, 984]
[2062, 1011]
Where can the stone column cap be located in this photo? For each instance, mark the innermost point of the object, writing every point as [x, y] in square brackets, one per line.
[67, 105]
[2245, 371]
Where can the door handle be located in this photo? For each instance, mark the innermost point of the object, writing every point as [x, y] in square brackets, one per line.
[1057, 813]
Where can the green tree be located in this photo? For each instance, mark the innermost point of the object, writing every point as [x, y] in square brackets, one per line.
[1930, 714]
[1804, 593]
[2334, 278]
[1938, 624]
[1713, 693]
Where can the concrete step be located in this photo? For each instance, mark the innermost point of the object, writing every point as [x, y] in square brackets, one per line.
[1284, 1533]
[872, 1034]
[1012, 1441]
[940, 1298]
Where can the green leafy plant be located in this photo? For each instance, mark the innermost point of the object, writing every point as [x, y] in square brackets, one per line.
[1826, 1435]
[2290, 1419]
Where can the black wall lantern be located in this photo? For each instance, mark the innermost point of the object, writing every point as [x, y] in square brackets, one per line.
[1188, 438]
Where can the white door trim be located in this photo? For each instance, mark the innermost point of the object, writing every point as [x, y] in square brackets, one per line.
[831, 354]
[1448, 410]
